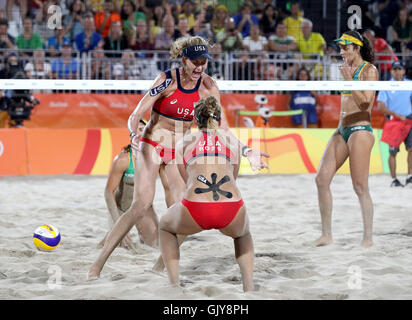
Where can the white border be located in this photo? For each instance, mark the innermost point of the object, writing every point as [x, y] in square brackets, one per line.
[224, 85]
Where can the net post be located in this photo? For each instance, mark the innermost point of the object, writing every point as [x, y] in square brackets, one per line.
[304, 119]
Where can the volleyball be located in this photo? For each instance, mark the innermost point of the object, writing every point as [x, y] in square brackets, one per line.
[46, 237]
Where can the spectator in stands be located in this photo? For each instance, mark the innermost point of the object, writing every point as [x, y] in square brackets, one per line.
[89, 39]
[100, 66]
[303, 100]
[380, 46]
[245, 19]
[130, 15]
[332, 71]
[115, 41]
[402, 28]
[219, 19]
[285, 47]
[258, 7]
[311, 43]
[36, 5]
[294, 21]
[56, 41]
[65, 67]
[38, 67]
[156, 20]
[182, 29]
[255, 43]
[230, 39]
[269, 73]
[142, 40]
[269, 20]
[16, 11]
[233, 6]
[28, 40]
[127, 68]
[164, 40]
[103, 19]
[6, 40]
[201, 28]
[94, 5]
[187, 13]
[73, 20]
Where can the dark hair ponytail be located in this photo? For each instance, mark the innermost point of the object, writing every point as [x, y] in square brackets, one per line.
[366, 51]
[127, 148]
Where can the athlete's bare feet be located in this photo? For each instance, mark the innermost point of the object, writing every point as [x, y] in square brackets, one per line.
[94, 273]
[367, 243]
[323, 241]
[159, 266]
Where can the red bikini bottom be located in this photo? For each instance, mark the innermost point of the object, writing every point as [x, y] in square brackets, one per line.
[166, 154]
[213, 215]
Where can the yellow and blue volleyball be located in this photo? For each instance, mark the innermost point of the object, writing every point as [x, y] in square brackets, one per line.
[46, 237]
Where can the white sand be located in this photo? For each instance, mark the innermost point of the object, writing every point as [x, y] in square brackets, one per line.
[284, 218]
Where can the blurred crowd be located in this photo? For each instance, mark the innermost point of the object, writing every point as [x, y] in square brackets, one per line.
[129, 39]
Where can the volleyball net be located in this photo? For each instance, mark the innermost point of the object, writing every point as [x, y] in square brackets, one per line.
[108, 103]
[82, 126]
[224, 85]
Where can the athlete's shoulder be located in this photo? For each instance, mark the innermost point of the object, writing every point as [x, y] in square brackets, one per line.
[209, 82]
[162, 82]
[371, 66]
[370, 72]
[121, 160]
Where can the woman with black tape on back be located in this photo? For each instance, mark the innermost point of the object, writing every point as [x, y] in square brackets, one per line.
[208, 161]
[172, 99]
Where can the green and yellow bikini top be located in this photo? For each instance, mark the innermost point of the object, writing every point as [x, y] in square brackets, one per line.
[356, 77]
[129, 173]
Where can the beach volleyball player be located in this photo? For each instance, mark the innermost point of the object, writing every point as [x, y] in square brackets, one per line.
[171, 99]
[118, 192]
[211, 198]
[354, 137]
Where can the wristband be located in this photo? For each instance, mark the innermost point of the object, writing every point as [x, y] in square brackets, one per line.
[245, 150]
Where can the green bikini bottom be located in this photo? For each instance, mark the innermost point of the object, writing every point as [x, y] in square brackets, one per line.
[345, 132]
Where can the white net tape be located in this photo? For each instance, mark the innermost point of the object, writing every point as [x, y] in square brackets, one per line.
[224, 85]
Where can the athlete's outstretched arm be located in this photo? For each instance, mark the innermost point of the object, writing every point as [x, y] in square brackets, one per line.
[255, 157]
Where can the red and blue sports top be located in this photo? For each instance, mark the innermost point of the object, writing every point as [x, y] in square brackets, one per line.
[208, 144]
[180, 104]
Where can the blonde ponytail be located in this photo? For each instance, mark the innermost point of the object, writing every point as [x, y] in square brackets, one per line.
[208, 113]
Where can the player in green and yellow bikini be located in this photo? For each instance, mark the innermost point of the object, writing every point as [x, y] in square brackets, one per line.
[353, 139]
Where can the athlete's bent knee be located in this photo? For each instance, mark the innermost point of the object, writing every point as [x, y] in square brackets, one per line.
[360, 188]
[322, 181]
[139, 208]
